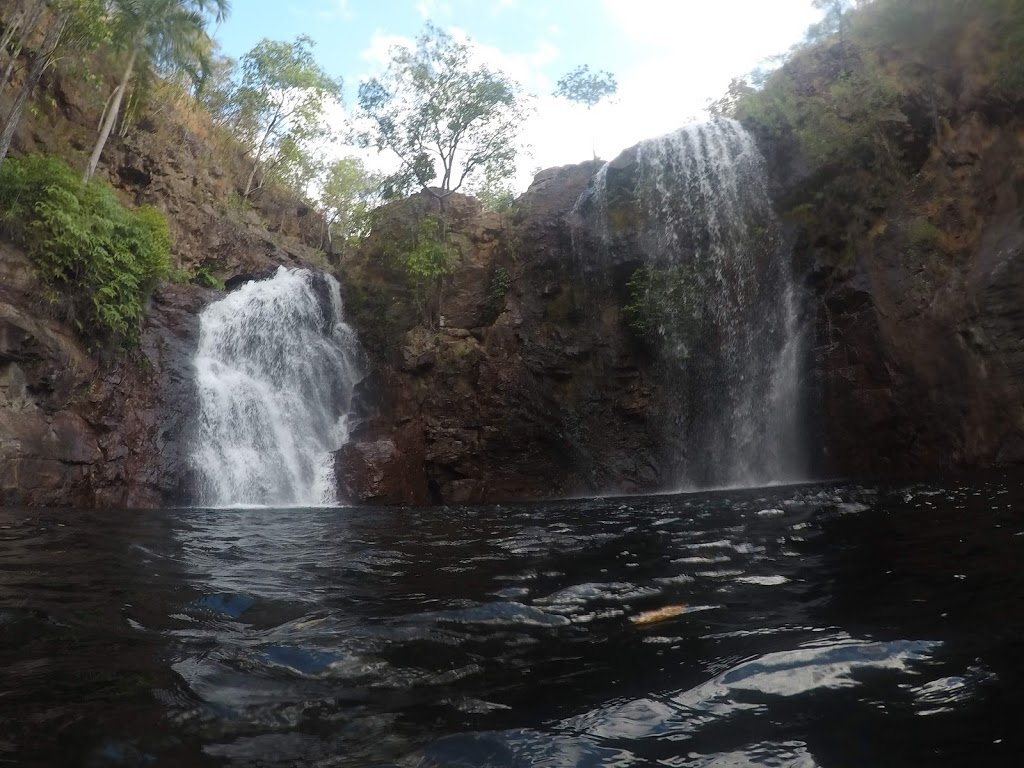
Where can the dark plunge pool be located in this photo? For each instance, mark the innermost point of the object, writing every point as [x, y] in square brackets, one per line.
[817, 625]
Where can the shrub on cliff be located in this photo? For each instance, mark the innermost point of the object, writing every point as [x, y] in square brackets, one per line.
[663, 297]
[98, 259]
[428, 262]
[857, 110]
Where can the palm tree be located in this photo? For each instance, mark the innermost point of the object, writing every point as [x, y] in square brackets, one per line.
[167, 35]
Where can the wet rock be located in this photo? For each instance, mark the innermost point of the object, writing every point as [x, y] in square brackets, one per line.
[516, 395]
[918, 351]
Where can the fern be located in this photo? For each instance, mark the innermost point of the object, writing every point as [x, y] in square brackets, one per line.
[98, 259]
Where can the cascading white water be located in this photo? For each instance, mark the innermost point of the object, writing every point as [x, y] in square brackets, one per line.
[275, 370]
[693, 209]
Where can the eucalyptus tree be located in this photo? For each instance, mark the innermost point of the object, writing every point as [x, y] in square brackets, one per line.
[70, 26]
[346, 196]
[280, 109]
[581, 86]
[165, 35]
[434, 105]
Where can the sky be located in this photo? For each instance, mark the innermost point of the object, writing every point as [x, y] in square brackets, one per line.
[668, 56]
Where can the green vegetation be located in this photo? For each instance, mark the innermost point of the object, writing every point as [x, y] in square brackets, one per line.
[581, 86]
[663, 297]
[157, 36]
[433, 105]
[498, 286]
[447, 118]
[348, 195]
[430, 260]
[924, 234]
[75, 26]
[278, 109]
[495, 195]
[99, 260]
[204, 276]
[864, 102]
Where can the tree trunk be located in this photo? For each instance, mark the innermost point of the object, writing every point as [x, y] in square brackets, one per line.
[39, 64]
[258, 160]
[9, 70]
[25, 23]
[108, 123]
[11, 30]
[17, 20]
[250, 180]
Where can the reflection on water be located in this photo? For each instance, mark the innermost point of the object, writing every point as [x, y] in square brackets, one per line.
[808, 626]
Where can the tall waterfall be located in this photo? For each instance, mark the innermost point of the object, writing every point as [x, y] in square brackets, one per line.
[275, 369]
[691, 211]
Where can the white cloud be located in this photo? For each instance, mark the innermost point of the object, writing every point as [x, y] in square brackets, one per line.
[694, 48]
[378, 53]
[342, 9]
[691, 49]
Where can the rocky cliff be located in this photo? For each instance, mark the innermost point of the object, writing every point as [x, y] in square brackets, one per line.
[920, 341]
[528, 381]
[530, 387]
[92, 429]
[911, 237]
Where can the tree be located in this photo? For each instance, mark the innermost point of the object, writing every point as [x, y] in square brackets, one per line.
[434, 105]
[494, 194]
[581, 86]
[834, 20]
[280, 108]
[20, 21]
[430, 260]
[726, 105]
[169, 35]
[215, 90]
[347, 195]
[74, 25]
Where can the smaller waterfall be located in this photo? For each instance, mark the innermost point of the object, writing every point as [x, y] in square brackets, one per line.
[275, 370]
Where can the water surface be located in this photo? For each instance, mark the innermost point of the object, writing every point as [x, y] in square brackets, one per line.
[820, 626]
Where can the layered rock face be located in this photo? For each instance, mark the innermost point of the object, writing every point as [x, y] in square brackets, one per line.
[915, 357]
[75, 430]
[89, 429]
[527, 382]
[919, 356]
[530, 387]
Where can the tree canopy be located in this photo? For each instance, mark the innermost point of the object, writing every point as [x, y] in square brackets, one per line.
[347, 194]
[279, 108]
[434, 106]
[166, 35]
[581, 86]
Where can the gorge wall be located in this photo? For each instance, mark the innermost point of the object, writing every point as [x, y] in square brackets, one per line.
[93, 429]
[920, 345]
[531, 387]
[533, 384]
[912, 244]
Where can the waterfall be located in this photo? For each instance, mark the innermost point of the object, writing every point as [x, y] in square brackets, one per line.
[690, 217]
[275, 370]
